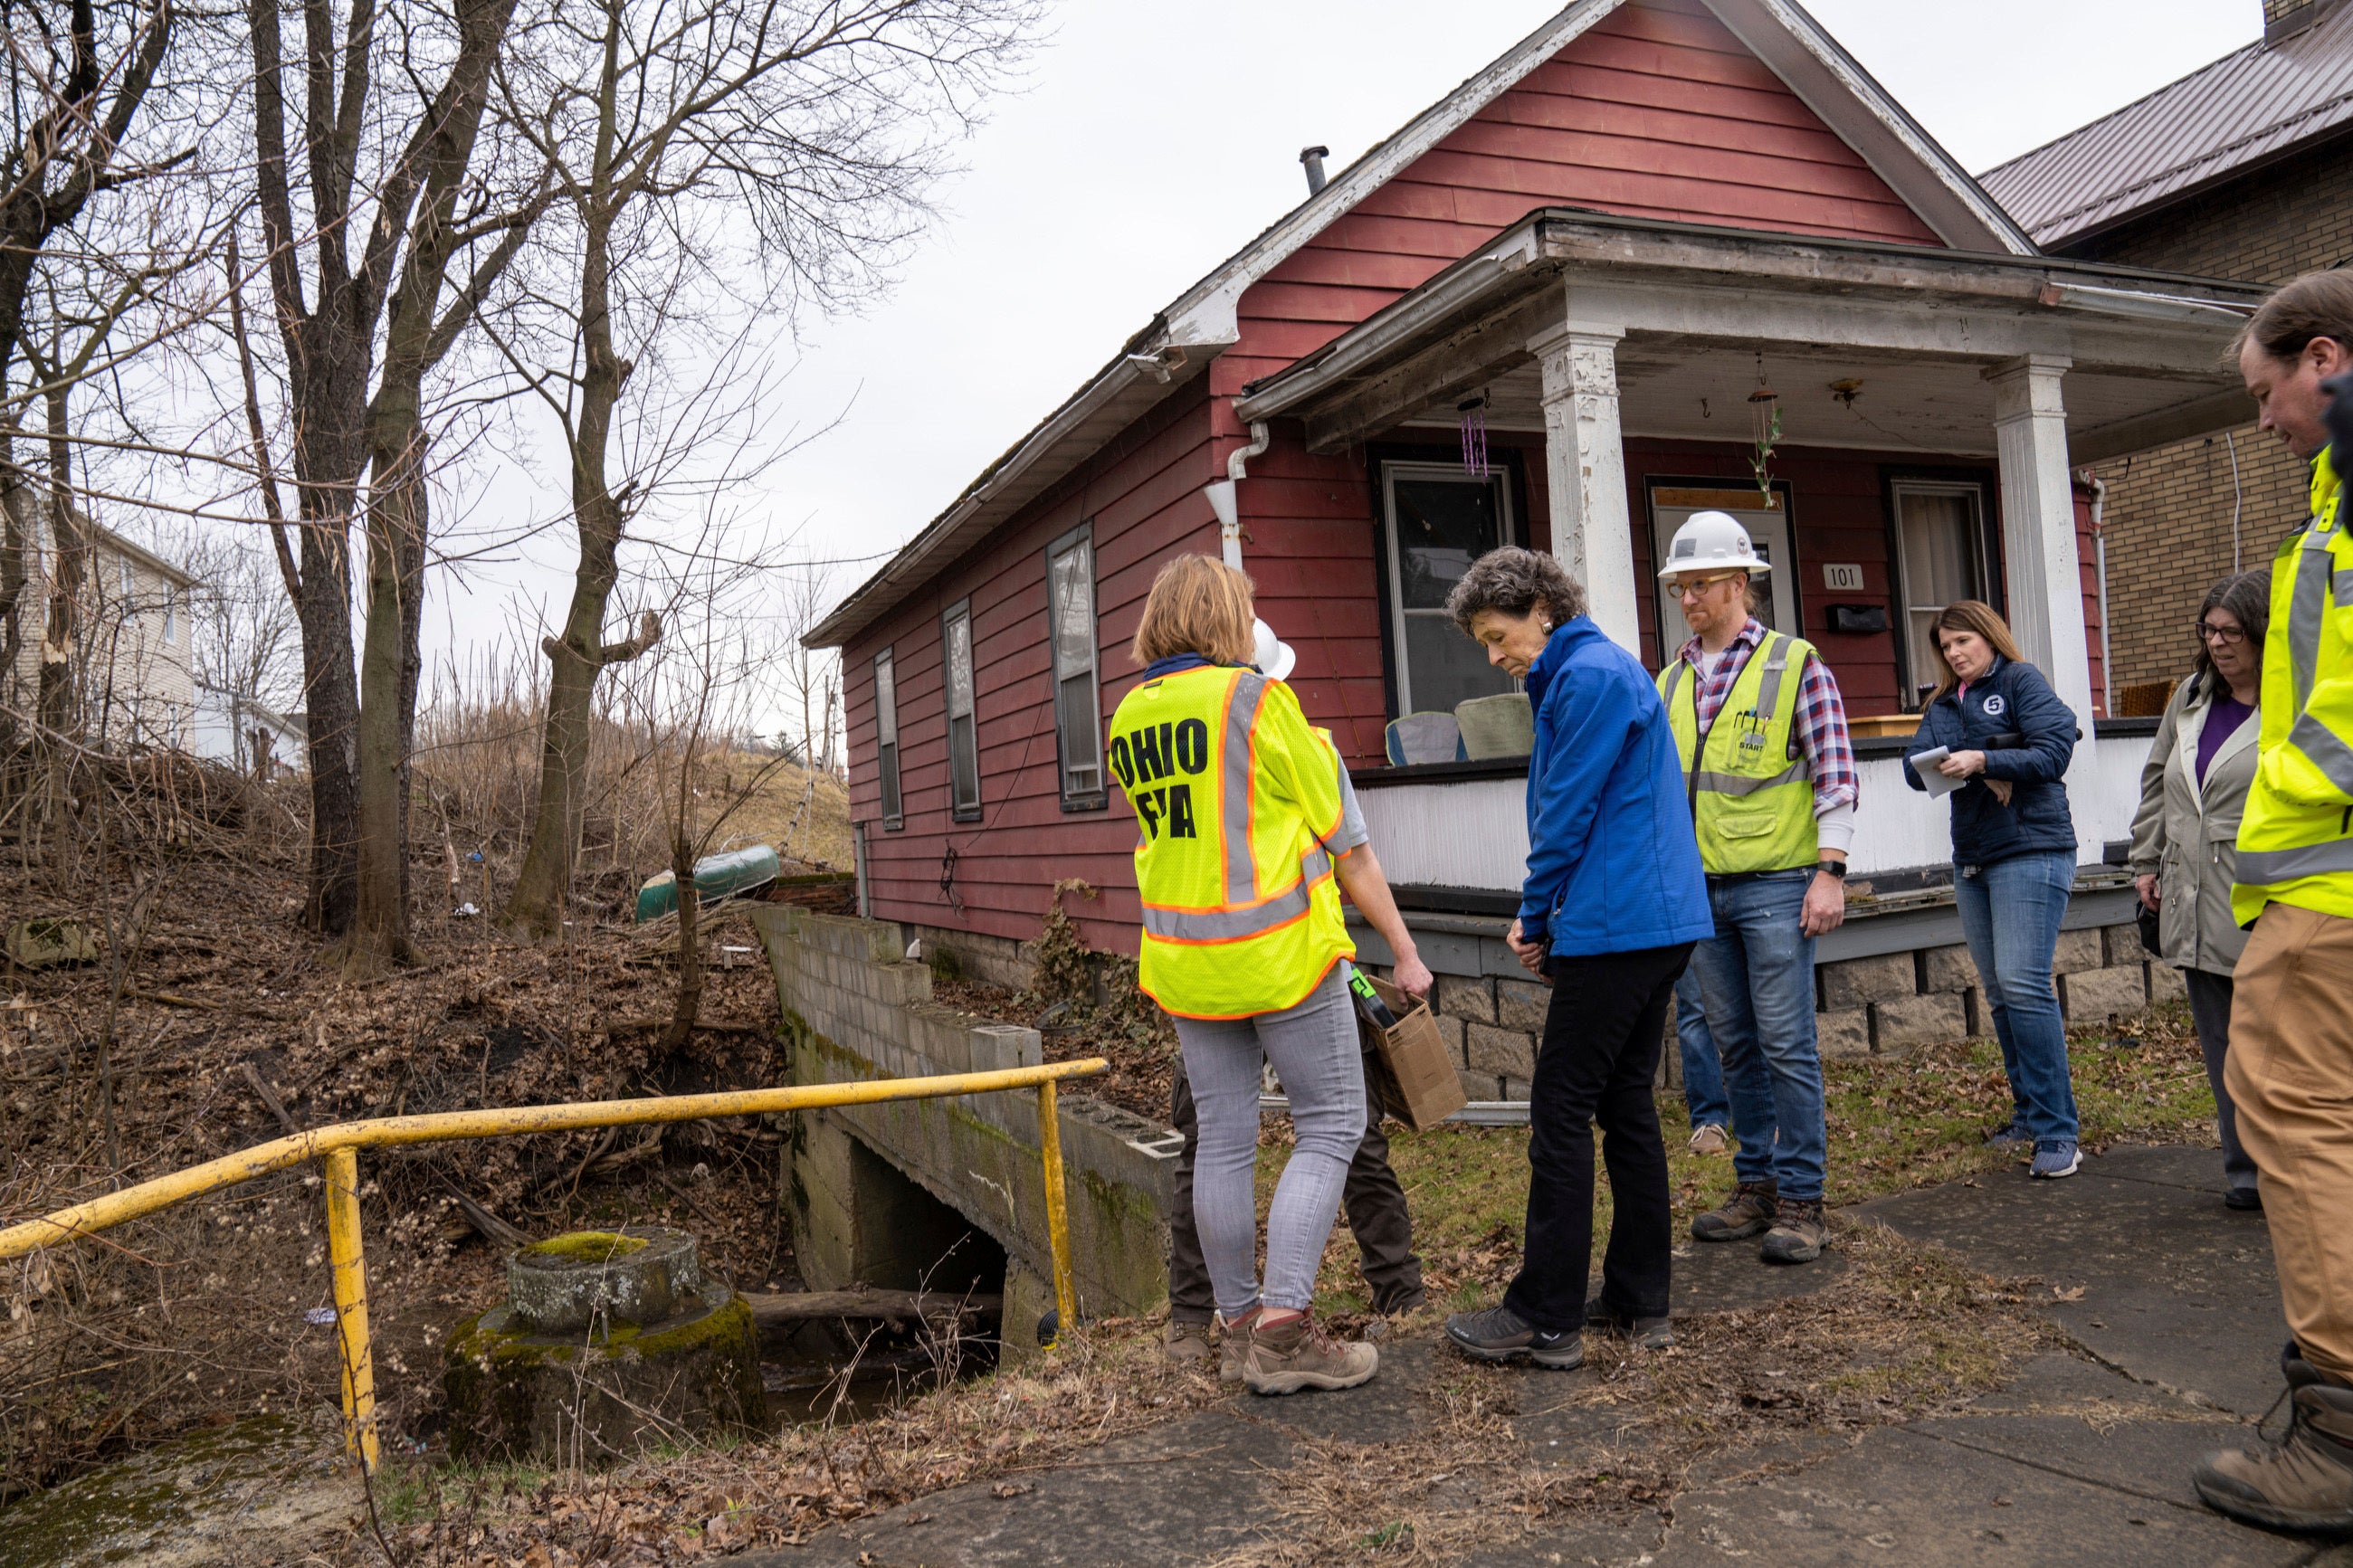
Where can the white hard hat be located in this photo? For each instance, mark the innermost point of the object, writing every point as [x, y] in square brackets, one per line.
[1712, 542]
[1272, 655]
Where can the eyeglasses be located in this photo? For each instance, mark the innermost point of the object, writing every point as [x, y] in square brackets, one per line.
[1688, 589]
[2229, 636]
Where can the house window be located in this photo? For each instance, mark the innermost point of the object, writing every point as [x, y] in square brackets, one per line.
[171, 617]
[1078, 707]
[1940, 547]
[886, 738]
[1437, 520]
[964, 740]
[130, 583]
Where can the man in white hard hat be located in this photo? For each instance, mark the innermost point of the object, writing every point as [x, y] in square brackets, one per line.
[1762, 734]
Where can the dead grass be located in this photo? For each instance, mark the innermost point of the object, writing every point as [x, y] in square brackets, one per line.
[1105, 1382]
[1905, 1333]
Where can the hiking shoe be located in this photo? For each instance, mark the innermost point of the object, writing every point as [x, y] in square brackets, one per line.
[1188, 1343]
[1501, 1334]
[1799, 1231]
[2305, 1481]
[1642, 1333]
[1748, 1212]
[1709, 1138]
[1294, 1354]
[2011, 1135]
[2054, 1158]
[1235, 1347]
[2246, 1200]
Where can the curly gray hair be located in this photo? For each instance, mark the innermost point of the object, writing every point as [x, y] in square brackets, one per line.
[1514, 582]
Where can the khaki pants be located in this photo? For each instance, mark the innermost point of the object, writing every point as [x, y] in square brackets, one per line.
[2291, 1073]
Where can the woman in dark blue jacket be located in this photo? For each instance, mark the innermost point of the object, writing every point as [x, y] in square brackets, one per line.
[1614, 900]
[2001, 728]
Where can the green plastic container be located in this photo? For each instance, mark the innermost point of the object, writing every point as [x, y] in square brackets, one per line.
[715, 877]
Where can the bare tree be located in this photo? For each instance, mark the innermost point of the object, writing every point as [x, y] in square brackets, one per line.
[77, 78]
[359, 255]
[812, 128]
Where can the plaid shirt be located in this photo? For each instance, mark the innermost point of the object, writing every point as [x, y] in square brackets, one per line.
[1819, 722]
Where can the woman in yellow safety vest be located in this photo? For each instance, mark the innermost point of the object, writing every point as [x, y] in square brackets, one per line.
[1245, 827]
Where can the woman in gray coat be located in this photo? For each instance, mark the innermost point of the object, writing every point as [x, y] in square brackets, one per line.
[2185, 835]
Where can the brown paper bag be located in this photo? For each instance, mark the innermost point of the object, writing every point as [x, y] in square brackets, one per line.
[1421, 1087]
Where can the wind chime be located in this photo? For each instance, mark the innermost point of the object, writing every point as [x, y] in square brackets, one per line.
[1765, 425]
[1473, 411]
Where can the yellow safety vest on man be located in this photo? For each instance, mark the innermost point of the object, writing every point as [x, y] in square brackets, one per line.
[1237, 799]
[2295, 841]
[1752, 802]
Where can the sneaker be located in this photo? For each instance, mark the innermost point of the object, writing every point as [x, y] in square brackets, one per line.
[1501, 1334]
[1710, 1139]
[1188, 1344]
[2012, 1135]
[1799, 1231]
[1234, 1348]
[1642, 1333]
[1294, 1354]
[2246, 1200]
[2054, 1158]
[1749, 1211]
[2305, 1481]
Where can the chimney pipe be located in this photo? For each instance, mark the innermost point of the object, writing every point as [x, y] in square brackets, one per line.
[1312, 158]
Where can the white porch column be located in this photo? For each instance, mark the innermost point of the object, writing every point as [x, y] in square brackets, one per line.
[1585, 464]
[2038, 525]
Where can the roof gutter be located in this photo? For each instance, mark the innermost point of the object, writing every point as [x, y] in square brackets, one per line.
[1149, 363]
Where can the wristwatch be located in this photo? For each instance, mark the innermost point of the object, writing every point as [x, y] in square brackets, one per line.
[1831, 869]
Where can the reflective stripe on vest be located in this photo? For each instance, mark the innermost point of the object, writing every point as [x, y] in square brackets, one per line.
[1236, 797]
[1737, 832]
[2295, 839]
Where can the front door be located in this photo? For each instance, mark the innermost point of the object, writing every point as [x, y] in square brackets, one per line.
[1437, 519]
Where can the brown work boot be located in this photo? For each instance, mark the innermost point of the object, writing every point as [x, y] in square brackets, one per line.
[1294, 1354]
[1799, 1231]
[1235, 1347]
[1749, 1211]
[2305, 1481]
[1188, 1343]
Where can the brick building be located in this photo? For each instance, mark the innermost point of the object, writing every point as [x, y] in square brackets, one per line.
[2237, 170]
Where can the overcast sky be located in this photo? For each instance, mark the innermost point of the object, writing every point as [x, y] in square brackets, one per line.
[1156, 137]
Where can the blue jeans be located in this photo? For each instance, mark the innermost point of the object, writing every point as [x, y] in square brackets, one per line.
[1703, 1072]
[2012, 950]
[1756, 981]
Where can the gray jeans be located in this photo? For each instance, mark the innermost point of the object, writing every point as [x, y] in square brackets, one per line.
[1314, 1050]
[2210, 1009]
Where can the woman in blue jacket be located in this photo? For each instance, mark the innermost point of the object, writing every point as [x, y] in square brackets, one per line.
[1613, 902]
[2006, 733]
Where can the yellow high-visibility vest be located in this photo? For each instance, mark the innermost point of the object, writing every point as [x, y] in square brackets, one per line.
[2296, 842]
[1752, 801]
[1237, 799]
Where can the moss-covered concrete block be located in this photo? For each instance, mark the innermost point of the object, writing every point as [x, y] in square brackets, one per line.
[569, 1399]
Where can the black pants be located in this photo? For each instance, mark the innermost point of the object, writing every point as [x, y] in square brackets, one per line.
[1374, 1201]
[1600, 1055]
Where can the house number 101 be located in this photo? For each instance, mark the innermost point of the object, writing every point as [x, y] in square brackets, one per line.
[1843, 579]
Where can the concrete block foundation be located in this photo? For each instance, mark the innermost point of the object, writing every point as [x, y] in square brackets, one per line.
[926, 1193]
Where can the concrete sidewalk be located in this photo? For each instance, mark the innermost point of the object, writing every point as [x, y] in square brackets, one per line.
[2083, 1459]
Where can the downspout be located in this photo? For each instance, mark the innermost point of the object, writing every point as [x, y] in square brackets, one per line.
[2100, 558]
[1222, 493]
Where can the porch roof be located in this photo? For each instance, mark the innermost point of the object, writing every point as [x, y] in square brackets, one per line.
[1697, 304]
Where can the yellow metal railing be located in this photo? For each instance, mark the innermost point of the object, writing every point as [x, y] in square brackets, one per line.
[337, 1149]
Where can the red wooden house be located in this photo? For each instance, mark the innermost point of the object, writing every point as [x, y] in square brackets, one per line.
[1598, 251]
